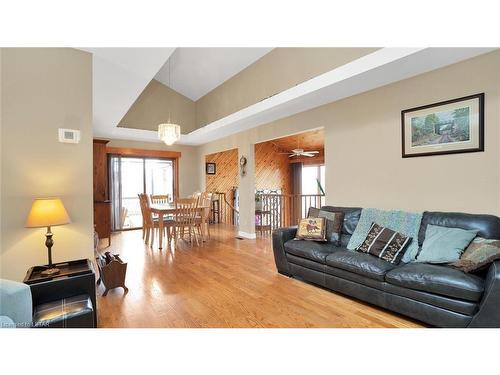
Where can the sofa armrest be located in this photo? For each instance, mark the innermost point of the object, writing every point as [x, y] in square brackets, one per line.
[280, 236]
[488, 315]
[15, 303]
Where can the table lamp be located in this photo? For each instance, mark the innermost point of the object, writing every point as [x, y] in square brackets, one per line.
[47, 212]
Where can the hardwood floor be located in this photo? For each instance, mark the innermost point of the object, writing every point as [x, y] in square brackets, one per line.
[225, 282]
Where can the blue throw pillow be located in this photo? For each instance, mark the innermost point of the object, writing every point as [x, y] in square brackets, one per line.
[443, 244]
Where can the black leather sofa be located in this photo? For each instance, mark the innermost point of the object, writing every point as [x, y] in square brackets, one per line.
[435, 294]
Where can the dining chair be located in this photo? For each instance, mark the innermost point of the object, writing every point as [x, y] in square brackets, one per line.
[150, 224]
[123, 217]
[143, 214]
[160, 199]
[185, 218]
[203, 214]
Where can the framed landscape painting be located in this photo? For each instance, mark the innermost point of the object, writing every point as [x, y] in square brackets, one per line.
[449, 127]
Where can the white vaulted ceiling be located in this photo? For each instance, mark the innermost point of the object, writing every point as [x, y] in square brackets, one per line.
[119, 77]
[194, 72]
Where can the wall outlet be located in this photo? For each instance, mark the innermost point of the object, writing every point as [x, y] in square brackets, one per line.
[69, 136]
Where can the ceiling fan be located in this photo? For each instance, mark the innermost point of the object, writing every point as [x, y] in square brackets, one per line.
[301, 152]
[297, 152]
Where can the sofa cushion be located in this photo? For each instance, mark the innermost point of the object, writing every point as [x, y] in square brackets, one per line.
[457, 305]
[307, 263]
[436, 279]
[316, 251]
[351, 217]
[360, 263]
[488, 226]
[344, 240]
[334, 223]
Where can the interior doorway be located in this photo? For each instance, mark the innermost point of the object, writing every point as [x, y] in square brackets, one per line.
[289, 177]
[222, 180]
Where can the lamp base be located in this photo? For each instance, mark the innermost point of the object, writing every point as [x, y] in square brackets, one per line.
[50, 272]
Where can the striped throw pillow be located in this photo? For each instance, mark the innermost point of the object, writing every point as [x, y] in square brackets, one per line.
[385, 244]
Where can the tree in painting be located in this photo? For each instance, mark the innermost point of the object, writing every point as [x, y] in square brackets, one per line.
[461, 119]
[441, 127]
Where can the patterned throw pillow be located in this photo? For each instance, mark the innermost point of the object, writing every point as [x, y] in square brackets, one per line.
[313, 212]
[385, 244]
[312, 229]
[334, 222]
[479, 254]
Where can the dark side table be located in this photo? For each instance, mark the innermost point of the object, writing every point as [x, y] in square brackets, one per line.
[76, 277]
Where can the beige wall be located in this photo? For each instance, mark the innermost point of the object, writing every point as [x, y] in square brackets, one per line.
[363, 144]
[247, 192]
[189, 177]
[1, 155]
[155, 105]
[44, 89]
[280, 69]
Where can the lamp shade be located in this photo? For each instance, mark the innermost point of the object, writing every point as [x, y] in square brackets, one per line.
[46, 212]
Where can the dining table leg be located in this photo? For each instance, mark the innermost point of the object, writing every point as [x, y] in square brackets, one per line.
[160, 225]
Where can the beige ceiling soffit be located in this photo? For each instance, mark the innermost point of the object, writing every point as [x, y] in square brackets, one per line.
[377, 69]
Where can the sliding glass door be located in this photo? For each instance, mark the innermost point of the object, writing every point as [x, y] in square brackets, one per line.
[159, 177]
[130, 176]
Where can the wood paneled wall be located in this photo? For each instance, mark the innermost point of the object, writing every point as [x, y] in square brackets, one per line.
[272, 169]
[226, 174]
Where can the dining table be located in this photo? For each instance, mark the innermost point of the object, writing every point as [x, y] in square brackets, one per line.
[164, 209]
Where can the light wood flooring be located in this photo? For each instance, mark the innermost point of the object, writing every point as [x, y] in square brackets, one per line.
[225, 282]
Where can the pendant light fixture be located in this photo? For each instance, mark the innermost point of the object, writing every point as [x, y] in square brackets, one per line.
[169, 132]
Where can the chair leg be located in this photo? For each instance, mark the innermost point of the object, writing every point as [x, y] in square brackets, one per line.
[147, 235]
[200, 231]
[167, 234]
[196, 237]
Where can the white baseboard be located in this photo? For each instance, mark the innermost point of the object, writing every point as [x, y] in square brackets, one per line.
[249, 236]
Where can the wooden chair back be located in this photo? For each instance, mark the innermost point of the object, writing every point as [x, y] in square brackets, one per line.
[147, 215]
[123, 216]
[205, 195]
[160, 199]
[205, 202]
[185, 210]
